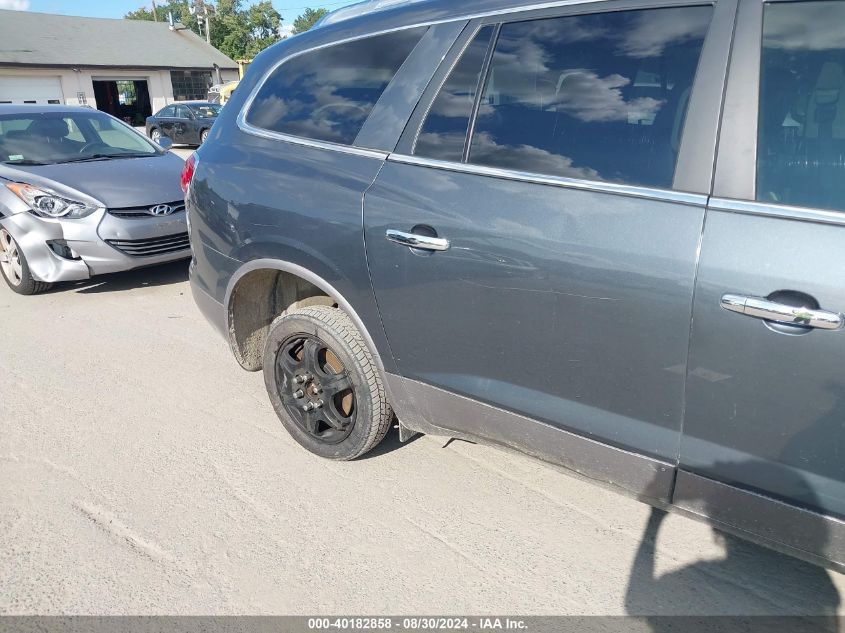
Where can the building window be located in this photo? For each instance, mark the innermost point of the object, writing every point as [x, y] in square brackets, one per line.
[190, 85]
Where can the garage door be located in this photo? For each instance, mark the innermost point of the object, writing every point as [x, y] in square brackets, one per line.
[30, 90]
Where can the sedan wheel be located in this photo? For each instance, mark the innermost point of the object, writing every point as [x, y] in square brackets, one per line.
[10, 259]
[156, 135]
[14, 268]
[204, 136]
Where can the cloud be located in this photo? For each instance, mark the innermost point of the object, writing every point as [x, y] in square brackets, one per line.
[810, 27]
[487, 151]
[440, 144]
[285, 30]
[15, 5]
[590, 98]
[652, 31]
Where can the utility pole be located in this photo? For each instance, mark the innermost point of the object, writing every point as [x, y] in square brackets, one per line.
[155, 11]
[201, 10]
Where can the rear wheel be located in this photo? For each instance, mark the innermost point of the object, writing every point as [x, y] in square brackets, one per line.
[323, 383]
[155, 134]
[15, 269]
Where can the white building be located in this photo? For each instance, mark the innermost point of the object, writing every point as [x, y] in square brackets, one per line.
[128, 68]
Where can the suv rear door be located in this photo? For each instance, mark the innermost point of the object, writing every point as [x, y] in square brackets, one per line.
[765, 407]
[571, 223]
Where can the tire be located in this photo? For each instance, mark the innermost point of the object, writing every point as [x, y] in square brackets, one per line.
[15, 269]
[204, 136]
[155, 135]
[326, 336]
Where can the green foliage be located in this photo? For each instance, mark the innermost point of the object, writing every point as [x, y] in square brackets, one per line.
[179, 8]
[307, 19]
[240, 33]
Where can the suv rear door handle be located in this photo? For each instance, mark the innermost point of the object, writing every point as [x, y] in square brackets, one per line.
[415, 240]
[761, 308]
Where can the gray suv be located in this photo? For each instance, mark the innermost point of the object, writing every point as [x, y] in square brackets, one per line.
[607, 234]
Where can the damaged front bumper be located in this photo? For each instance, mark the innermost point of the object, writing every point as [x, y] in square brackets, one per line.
[135, 243]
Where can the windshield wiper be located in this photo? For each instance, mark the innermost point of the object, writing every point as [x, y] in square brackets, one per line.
[93, 157]
[24, 162]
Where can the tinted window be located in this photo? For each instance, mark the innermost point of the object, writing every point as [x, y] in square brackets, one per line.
[169, 111]
[182, 112]
[600, 97]
[328, 94]
[801, 150]
[444, 132]
[206, 111]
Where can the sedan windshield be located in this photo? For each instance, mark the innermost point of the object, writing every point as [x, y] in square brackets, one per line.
[46, 138]
[206, 111]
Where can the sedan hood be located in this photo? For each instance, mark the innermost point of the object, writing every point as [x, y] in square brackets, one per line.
[116, 183]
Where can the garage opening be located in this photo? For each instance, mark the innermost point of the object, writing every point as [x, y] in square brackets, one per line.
[126, 99]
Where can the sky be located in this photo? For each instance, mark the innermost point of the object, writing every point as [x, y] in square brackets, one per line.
[118, 8]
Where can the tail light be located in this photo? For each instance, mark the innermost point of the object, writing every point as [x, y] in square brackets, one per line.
[188, 172]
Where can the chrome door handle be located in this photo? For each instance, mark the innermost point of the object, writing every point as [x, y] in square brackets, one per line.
[761, 308]
[414, 240]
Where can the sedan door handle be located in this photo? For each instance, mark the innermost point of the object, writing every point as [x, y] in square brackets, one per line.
[415, 240]
[762, 308]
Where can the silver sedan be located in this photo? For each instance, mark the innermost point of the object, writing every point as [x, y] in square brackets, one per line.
[81, 194]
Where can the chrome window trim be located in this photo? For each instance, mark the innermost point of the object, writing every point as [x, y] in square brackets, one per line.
[692, 199]
[307, 142]
[774, 210]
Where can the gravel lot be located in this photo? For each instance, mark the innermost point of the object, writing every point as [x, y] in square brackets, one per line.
[144, 472]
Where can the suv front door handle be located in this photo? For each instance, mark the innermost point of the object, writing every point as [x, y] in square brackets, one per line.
[415, 240]
[761, 308]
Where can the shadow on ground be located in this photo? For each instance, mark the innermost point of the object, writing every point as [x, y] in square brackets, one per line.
[389, 444]
[162, 275]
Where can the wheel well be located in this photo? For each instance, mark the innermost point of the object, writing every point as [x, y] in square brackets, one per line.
[258, 298]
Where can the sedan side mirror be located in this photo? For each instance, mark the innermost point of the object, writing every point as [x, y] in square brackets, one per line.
[165, 143]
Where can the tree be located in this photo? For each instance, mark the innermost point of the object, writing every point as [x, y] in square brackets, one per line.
[238, 32]
[308, 19]
[179, 9]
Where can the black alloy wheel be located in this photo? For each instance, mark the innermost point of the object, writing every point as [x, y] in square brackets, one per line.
[325, 383]
[316, 388]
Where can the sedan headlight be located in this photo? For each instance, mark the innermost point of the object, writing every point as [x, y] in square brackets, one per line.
[49, 204]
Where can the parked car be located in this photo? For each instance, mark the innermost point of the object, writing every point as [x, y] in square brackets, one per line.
[81, 194]
[609, 235]
[187, 123]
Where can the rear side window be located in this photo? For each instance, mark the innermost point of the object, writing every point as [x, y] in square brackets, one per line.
[169, 111]
[444, 133]
[598, 97]
[327, 94]
[801, 144]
